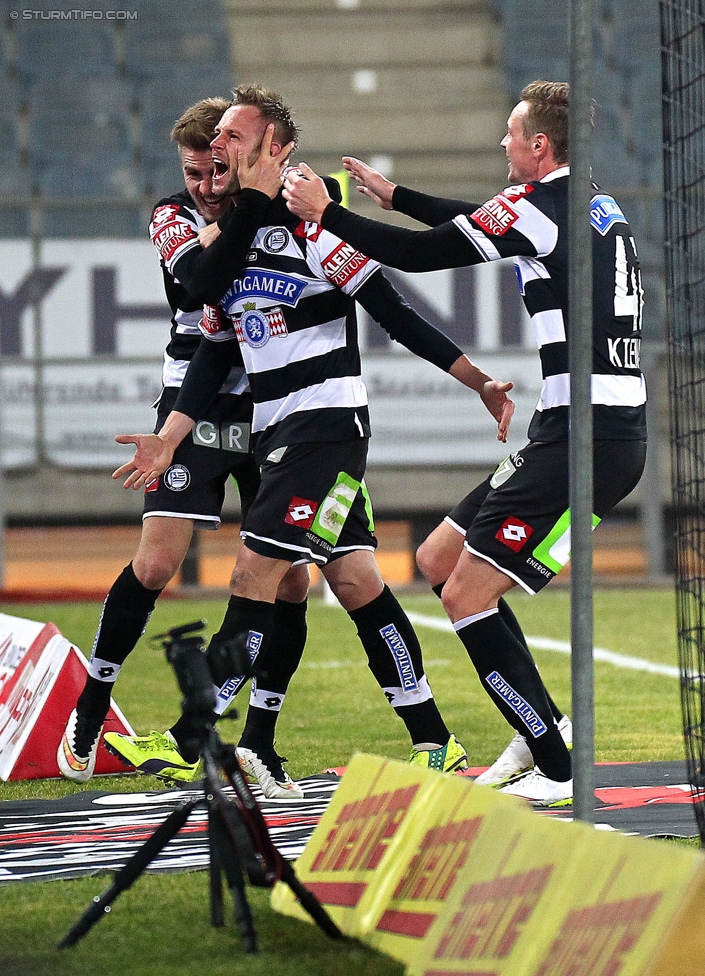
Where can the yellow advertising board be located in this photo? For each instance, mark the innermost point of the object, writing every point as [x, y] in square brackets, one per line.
[453, 878]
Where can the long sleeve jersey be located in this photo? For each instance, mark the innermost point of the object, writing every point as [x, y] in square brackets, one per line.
[529, 223]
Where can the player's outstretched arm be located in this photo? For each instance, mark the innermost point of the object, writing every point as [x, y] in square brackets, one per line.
[493, 393]
[154, 452]
[370, 182]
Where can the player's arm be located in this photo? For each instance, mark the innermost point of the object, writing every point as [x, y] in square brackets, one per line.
[207, 273]
[487, 234]
[398, 247]
[206, 373]
[384, 303]
[390, 196]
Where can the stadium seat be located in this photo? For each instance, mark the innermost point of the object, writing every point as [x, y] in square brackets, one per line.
[164, 98]
[86, 48]
[14, 222]
[94, 221]
[95, 176]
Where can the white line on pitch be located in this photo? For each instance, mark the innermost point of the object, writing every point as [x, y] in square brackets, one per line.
[563, 647]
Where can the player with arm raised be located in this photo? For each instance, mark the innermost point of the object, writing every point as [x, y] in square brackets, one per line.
[192, 490]
[291, 312]
[515, 527]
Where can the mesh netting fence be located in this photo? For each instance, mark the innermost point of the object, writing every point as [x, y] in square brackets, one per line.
[683, 62]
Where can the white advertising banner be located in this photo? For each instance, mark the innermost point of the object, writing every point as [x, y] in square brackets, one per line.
[83, 325]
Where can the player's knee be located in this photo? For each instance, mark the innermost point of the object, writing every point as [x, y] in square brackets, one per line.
[294, 587]
[427, 561]
[155, 569]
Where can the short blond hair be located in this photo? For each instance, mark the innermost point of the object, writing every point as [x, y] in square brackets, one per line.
[548, 113]
[195, 129]
[270, 107]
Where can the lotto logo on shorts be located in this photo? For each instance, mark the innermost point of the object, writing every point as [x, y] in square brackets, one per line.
[514, 533]
[301, 512]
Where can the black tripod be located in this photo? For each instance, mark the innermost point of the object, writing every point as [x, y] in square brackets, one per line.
[239, 844]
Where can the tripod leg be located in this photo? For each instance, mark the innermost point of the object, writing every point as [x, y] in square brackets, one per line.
[312, 905]
[215, 876]
[130, 872]
[225, 854]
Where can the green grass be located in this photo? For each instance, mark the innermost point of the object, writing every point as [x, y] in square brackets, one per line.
[333, 708]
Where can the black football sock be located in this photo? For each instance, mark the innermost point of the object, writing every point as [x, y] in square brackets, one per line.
[244, 633]
[509, 675]
[274, 673]
[125, 615]
[394, 658]
[507, 615]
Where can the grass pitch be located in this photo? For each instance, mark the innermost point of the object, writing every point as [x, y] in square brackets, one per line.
[161, 926]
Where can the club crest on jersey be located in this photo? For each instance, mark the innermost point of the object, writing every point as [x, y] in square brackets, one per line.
[275, 240]
[605, 211]
[257, 328]
[514, 533]
[267, 284]
[496, 216]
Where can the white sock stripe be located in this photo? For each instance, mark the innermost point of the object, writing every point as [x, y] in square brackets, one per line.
[473, 618]
[103, 670]
[270, 701]
[225, 694]
[399, 696]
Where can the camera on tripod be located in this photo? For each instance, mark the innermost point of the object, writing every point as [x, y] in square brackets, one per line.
[198, 672]
[239, 844]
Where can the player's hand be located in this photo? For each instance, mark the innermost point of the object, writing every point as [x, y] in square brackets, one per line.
[152, 457]
[370, 182]
[494, 396]
[305, 193]
[264, 170]
[208, 234]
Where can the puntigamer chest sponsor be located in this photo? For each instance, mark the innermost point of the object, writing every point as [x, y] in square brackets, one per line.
[264, 284]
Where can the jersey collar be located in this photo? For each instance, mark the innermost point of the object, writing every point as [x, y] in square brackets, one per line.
[555, 174]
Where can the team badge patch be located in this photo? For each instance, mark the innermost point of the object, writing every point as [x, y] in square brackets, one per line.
[177, 477]
[275, 240]
[255, 328]
[496, 216]
[302, 512]
[514, 533]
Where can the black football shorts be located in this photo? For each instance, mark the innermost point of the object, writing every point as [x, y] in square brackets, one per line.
[518, 519]
[312, 505]
[193, 486]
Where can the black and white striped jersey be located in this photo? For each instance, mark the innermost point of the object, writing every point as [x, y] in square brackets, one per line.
[291, 309]
[290, 314]
[173, 230]
[529, 222]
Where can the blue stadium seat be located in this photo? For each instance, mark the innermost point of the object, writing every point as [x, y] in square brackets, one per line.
[165, 177]
[67, 118]
[96, 176]
[14, 222]
[48, 48]
[163, 99]
[104, 220]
